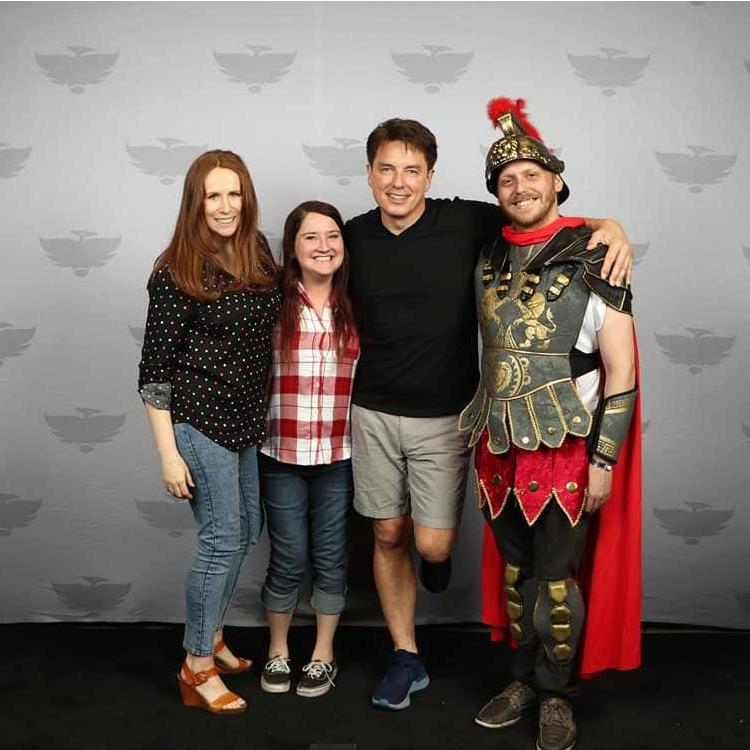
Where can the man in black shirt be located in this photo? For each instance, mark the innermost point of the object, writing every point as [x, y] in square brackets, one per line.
[411, 272]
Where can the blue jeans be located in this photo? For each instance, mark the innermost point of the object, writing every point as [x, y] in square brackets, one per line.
[226, 506]
[306, 511]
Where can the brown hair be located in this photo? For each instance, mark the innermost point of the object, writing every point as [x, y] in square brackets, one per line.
[410, 132]
[191, 254]
[343, 315]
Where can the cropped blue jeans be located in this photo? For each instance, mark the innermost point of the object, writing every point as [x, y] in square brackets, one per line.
[306, 510]
[226, 506]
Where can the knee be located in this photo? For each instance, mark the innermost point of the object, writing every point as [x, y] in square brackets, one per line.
[435, 545]
[288, 564]
[392, 535]
[221, 543]
[435, 551]
[520, 599]
[558, 618]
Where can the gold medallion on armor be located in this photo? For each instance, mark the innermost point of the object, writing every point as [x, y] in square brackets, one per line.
[509, 376]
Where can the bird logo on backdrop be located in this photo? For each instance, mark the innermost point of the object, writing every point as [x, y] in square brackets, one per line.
[12, 160]
[434, 69]
[88, 251]
[87, 428]
[639, 253]
[696, 351]
[699, 521]
[168, 161]
[83, 68]
[92, 597]
[261, 67]
[15, 513]
[137, 332]
[701, 167]
[14, 341]
[172, 515]
[610, 71]
[342, 162]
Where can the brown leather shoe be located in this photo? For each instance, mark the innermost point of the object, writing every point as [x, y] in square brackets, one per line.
[243, 665]
[557, 730]
[507, 708]
[188, 681]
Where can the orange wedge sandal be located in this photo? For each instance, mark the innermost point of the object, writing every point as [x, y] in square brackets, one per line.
[224, 668]
[192, 698]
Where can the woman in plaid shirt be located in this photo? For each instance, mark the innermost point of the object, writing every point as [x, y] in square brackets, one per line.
[305, 465]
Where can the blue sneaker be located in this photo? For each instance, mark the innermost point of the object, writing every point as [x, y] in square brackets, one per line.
[406, 674]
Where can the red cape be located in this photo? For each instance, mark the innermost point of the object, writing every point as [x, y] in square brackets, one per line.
[610, 570]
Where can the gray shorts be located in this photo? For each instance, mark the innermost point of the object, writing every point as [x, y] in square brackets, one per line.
[409, 466]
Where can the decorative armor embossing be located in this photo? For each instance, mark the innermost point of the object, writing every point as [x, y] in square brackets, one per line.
[558, 618]
[612, 424]
[530, 303]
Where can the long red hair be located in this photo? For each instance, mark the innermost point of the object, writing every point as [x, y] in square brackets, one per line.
[191, 254]
[344, 327]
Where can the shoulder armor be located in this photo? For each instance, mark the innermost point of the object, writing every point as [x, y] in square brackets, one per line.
[565, 245]
[574, 250]
[618, 297]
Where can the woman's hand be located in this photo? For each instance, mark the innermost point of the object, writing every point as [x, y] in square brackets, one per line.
[600, 486]
[176, 476]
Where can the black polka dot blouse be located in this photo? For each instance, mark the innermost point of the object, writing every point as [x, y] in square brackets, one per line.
[207, 362]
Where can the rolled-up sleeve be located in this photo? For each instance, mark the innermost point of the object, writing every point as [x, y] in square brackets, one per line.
[170, 313]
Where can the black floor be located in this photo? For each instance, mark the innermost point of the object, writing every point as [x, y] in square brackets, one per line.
[107, 688]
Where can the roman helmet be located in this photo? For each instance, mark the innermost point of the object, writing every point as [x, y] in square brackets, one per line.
[521, 140]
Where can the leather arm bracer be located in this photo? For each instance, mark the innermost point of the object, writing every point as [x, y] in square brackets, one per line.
[612, 423]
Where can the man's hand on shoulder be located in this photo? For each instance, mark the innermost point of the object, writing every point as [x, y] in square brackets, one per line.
[618, 262]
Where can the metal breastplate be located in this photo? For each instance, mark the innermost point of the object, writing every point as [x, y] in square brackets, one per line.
[529, 321]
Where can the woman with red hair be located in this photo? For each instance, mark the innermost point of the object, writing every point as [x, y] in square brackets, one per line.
[214, 300]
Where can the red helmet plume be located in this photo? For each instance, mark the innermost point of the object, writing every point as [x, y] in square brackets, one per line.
[500, 106]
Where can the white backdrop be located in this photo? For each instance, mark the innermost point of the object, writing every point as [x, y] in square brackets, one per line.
[104, 105]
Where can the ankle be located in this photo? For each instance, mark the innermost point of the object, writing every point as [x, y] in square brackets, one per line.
[199, 663]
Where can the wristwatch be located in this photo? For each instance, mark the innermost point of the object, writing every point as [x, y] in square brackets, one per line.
[597, 464]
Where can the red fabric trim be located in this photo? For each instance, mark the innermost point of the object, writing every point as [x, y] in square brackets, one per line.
[548, 470]
[542, 234]
[610, 570]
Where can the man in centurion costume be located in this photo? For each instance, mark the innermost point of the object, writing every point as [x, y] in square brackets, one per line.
[547, 434]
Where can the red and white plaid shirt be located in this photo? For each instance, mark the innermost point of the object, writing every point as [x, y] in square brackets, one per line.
[308, 408]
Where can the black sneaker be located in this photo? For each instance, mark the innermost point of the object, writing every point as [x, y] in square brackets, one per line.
[506, 708]
[435, 577]
[557, 730]
[317, 678]
[277, 675]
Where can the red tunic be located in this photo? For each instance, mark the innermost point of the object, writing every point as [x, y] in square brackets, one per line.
[536, 478]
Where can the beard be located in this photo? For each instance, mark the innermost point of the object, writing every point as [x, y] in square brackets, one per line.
[539, 212]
